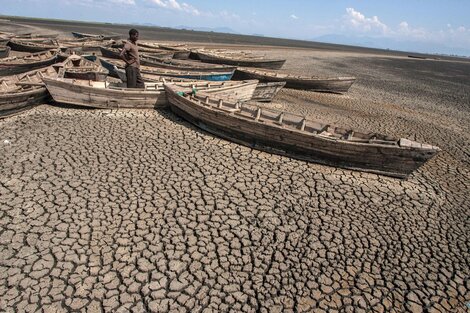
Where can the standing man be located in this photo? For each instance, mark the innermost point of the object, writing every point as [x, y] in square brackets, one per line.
[130, 55]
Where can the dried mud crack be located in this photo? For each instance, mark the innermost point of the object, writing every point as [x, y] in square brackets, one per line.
[138, 211]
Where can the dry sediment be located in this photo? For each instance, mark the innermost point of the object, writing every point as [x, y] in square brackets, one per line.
[139, 211]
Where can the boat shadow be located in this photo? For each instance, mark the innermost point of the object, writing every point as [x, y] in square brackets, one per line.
[164, 112]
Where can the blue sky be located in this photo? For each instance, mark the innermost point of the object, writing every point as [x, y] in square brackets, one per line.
[436, 26]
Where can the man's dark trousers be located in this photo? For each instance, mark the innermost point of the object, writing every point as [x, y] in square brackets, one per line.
[134, 80]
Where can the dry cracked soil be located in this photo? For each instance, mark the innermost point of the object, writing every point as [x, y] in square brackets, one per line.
[139, 211]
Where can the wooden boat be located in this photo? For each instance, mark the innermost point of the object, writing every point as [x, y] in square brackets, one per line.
[23, 91]
[17, 65]
[115, 53]
[4, 52]
[265, 92]
[327, 84]
[106, 95]
[147, 50]
[34, 40]
[105, 37]
[154, 71]
[29, 36]
[85, 45]
[121, 74]
[239, 60]
[161, 45]
[295, 136]
[183, 65]
[32, 47]
[78, 67]
[180, 50]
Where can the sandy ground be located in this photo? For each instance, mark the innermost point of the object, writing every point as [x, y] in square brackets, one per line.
[118, 211]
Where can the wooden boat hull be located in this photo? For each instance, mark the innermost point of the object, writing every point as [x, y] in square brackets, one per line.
[186, 76]
[184, 65]
[65, 91]
[104, 98]
[4, 52]
[270, 64]
[181, 55]
[109, 53]
[21, 92]
[7, 68]
[95, 76]
[78, 67]
[209, 77]
[121, 74]
[265, 92]
[380, 159]
[14, 103]
[115, 54]
[191, 75]
[235, 93]
[334, 84]
[150, 51]
[31, 48]
[104, 37]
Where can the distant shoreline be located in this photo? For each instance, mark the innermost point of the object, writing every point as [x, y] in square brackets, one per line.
[172, 34]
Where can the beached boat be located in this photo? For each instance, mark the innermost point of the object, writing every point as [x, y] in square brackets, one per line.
[32, 47]
[265, 92]
[31, 36]
[166, 46]
[17, 65]
[180, 50]
[154, 71]
[327, 84]
[23, 91]
[147, 50]
[114, 53]
[295, 136]
[239, 60]
[4, 52]
[95, 36]
[106, 95]
[78, 67]
[84, 45]
[184, 65]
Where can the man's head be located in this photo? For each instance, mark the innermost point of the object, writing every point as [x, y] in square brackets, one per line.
[133, 34]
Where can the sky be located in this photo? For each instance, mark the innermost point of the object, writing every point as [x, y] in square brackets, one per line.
[433, 26]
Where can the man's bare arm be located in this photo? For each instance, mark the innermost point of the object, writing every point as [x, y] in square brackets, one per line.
[123, 55]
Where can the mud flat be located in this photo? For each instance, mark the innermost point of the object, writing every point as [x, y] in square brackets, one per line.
[139, 211]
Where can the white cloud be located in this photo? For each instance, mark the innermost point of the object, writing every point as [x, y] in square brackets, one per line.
[175, 5]
[358, 23]
[365, 24]
[404, 29]
[293, 16]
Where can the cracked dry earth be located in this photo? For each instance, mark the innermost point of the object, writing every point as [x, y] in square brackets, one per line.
[138, 211]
